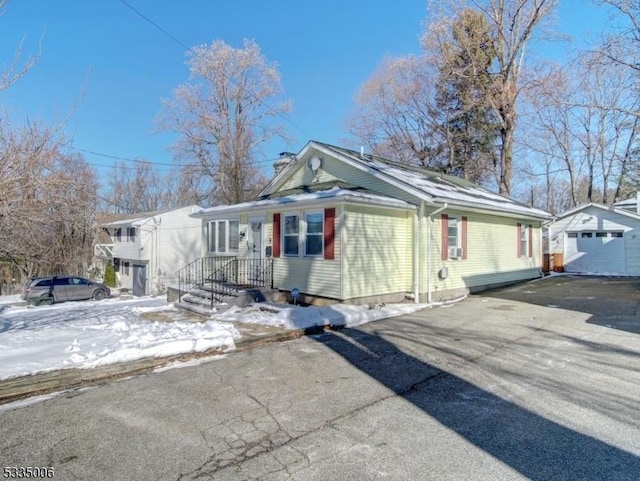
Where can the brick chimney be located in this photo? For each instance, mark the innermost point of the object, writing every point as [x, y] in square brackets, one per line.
[285, 159]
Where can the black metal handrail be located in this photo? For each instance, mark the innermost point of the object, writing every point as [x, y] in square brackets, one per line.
[196, 272]
[224, 276]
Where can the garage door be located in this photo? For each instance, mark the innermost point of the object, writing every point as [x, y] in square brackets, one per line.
[598, 252]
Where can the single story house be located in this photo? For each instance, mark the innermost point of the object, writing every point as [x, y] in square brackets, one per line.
[598, 239]
[147, 249]
[340, 225]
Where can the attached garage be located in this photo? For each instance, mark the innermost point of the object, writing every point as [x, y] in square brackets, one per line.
[597, 239]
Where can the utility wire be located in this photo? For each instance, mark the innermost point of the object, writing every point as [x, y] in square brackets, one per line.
[174, 39]
[148, 162]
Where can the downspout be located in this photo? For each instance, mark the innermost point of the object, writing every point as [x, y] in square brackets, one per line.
[416, 251]
[429, 249]
[541, 249]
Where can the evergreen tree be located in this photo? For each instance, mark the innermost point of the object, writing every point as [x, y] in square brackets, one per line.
[110, 276]
[472, 131]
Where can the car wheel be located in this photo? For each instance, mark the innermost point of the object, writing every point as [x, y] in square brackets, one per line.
[44, 301]
[99, 295]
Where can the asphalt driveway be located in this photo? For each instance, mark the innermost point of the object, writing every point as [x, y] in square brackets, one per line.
[537, 381]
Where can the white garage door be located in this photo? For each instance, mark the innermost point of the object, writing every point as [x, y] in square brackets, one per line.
[598, 252]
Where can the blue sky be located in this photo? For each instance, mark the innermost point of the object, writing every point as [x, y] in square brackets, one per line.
[116, 67]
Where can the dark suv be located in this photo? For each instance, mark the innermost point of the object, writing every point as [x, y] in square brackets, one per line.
[47, 290]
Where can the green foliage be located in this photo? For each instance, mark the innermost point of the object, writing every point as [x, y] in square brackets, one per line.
[464, 96]
[110, 276]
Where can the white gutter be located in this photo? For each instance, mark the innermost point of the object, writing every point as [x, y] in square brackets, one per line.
[429, 249]
[278, 204]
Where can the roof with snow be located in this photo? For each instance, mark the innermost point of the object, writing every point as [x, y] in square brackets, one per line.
[435, 187]
[609, 208]
[311, 195]
[115, 220]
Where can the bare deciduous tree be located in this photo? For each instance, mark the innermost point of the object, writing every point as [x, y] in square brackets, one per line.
[47, 202]
[623, 45]
[18, 66]
[223, 115]
[396, 115]
[136, 188]
[397, 111]
[513, 24]
[583, 131]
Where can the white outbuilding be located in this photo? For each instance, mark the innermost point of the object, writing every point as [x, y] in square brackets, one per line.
[597, 239]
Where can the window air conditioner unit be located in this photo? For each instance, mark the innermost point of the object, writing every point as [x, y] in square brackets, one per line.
[455, 252]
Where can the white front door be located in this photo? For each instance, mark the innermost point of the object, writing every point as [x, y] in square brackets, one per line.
[255, 254]
[256, 234]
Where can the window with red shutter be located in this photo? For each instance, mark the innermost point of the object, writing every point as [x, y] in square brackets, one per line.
[444, 219]
[464, 237]
[329, 233]
[276, 235]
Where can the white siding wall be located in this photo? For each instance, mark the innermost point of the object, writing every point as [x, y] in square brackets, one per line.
[492, 254]
[594, 219]
[127, 249]
[175, 241]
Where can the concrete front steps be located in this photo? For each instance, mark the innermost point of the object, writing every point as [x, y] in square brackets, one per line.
[199, 300]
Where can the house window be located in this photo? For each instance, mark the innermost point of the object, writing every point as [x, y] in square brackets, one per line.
[586, 235]
[223, 236]
[453, 237]
[572, 235]
[118, 234]
[291, 235]
[616, 234]
[116, 264]
[524, 240]
[311, 234]
[234, 235]
[314, 235]
[125, 268]
[601, 234]
[131, 234]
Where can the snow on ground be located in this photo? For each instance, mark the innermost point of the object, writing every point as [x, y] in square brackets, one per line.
[12, 299]
[297, 317]
[89, 334]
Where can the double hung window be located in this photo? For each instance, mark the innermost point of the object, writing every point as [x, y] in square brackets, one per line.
[223, 236]
[303, 234]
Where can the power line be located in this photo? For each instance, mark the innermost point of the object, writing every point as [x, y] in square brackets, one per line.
[190, 49]
[152, 163]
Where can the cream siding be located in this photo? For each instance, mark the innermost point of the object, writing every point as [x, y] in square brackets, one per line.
[334, 169]
[304, 176]
[492, 254]
[312, 276]
[377, 256]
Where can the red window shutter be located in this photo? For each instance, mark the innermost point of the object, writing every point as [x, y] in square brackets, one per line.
[445, 236]
[519, 243]
[464, 237]
[276, 235]
[530, 240]
[329, 233]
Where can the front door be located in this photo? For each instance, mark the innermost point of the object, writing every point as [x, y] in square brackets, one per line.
[139, 279]
[255, 255]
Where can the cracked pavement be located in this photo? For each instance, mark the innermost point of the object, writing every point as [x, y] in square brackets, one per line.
[500, 386]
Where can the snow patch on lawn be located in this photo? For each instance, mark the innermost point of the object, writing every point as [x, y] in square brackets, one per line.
[91, 334]
[297, 317]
